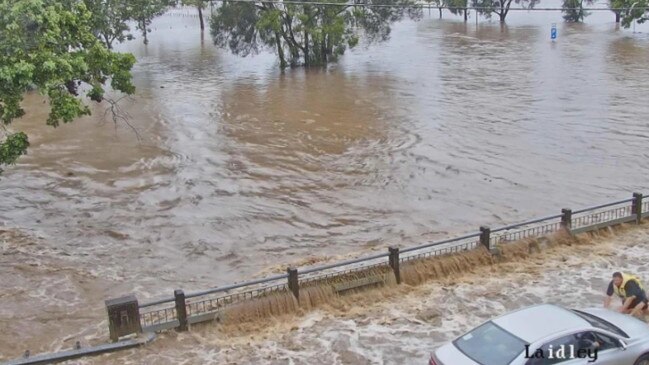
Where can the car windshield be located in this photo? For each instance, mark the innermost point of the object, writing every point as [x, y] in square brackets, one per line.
[600, 323]
[490, 345]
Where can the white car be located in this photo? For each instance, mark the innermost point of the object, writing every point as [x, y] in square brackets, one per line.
[550, 334]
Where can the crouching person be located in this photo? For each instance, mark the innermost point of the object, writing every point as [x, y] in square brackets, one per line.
[630, 290]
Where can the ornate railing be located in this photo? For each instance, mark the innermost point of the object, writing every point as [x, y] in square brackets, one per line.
[533, 229]
[181, 310]
[445, 247]
[158, 317]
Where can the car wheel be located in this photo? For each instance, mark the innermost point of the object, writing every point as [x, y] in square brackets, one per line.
[643, 360]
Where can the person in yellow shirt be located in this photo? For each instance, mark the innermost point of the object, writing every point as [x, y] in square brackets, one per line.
[629, 289]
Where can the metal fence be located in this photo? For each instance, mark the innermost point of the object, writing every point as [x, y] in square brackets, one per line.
[181, 310]
[604, 215]
[158, 318]
[201, 308]
[535, 229]
[445, 247]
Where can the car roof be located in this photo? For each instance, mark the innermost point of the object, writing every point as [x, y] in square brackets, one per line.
[537, 322]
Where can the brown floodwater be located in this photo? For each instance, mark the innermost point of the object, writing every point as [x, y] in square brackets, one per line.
[404, 325]
[237, 167]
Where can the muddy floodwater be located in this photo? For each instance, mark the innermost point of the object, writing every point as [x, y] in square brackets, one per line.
[403, 326]
[236, 170]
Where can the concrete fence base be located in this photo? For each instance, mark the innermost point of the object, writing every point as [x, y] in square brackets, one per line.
[296, 287]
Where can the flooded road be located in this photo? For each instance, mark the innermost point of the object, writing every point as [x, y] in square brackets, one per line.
[402, 326]
[240, 167]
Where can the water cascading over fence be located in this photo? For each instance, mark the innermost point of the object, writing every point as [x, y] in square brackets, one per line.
[308, 287]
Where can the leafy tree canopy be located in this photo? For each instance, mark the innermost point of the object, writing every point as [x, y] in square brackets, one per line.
[573, 10]
[110, 20]
[633, 10]
[200, 5]
[501, 7]
[458, 7]
[50, 46]
[144, 11]
[305, 34]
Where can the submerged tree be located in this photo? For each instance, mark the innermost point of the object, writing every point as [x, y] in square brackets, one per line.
[615, 10]
[573, 10]
[200, 6]
[144, 11]
[500, 7]
[49, 45]
[305, 34]
[110, 20]
[439, 4]
[459, 7]
[630, 11]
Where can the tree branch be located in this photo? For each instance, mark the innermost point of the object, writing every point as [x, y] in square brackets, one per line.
[118, 114]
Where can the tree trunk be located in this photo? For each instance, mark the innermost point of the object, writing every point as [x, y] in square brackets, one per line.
[504, 10]
[306, 48]
[329, 47]
[440, 13]
[617, 17]
[293, 49]
[280, 51]
[144, 32]
[289, 37]
[200, 16]
[109, 44]
[466, 15]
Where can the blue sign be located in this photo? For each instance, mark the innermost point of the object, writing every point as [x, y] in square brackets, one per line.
[553, 31]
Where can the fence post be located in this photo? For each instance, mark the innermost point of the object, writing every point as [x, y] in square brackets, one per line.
[485, 237]
[566, 219]
[394, 262]
[123, 316]
[181, 309]
[636, 207]
[293, 283]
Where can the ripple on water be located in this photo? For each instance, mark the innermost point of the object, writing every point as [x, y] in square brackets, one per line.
[443, 128]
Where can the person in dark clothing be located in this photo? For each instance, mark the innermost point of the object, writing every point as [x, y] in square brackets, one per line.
[630, 290]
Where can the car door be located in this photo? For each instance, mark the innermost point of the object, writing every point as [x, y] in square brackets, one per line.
[582, 348]
[611, 352]
[545, 354]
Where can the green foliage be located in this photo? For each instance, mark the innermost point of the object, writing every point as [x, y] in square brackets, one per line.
[573, 10]
[437, 3]
[235, 25]
[197, 3]
[457, 7]
[501, 7]
[304, 34]
[144, 11]
[109, 20]
[50, 46]
[634, 10]
[14, 146]
[200, 5]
